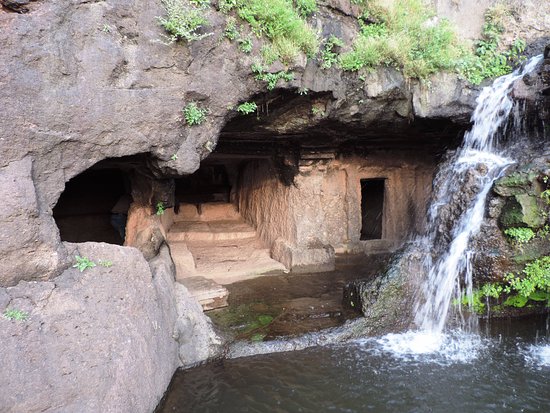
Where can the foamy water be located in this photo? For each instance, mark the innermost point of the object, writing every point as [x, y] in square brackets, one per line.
[424, 346]
[538, 355]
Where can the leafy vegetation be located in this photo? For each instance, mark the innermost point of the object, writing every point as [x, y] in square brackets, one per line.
[14, 314]
[193, 114]
[83, 263]
[160, 208]
[271, 78]
[521, 235]
[245, 44]
[405, 36]
[329, 56]
[280, 21]
[231, 31]
[489, 60]
[534, 283]
[518, 290]
[247, 108]
[184, 19]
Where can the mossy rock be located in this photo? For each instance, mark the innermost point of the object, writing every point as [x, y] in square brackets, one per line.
[516, 183]
[523, 210]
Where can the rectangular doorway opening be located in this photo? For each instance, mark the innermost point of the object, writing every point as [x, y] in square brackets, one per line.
[372, 208]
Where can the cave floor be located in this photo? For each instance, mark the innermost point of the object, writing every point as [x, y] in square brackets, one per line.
[282, 304]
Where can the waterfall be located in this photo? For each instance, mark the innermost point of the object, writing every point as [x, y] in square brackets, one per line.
[456, 215]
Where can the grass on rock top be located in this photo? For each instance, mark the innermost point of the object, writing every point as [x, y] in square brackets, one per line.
[280, 21]
[405, 34]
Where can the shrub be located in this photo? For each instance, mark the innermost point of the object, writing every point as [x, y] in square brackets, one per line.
[489, 60]
[245, 44]
[193, 114]
[305, 7]
[184, 19]
[231, 31]
[247, 108]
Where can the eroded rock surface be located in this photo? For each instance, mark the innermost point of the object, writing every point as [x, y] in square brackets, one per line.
[105, 339]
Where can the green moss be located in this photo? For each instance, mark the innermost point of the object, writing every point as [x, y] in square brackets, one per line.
[246, 320]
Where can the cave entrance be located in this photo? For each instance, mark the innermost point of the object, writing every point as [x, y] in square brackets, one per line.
[372, 208]
[94, 207]
[209, 184]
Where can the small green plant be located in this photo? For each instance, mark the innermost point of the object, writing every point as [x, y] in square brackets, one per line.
[306, 7]
[329, 56]
[245, 44]
[225, 6]
[105, 263]
[193, 114]
[174, 157]
[521, 235]
[184, 19]
[544, 232]
[83, 263]
[518, 290]
[535, 279]
[106, 28]
[271, 78]
[488, 59]
[160, 208]
[257, 337]
[302, 91]
[317, 111]
[14, 314]
[477, 301]
[546, 195]
[247, 108]
[231, 31]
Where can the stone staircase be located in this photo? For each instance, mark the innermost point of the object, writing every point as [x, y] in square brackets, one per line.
[211, 245]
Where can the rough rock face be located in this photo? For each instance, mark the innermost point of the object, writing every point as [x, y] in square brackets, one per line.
[86, 81]
[83, 81]
[106, 339]
[387, 300]
[100, 340]
[516, 200]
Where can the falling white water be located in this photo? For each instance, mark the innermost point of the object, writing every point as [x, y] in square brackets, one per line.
[479, 159]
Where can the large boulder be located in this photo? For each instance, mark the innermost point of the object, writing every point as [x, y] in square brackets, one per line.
[105, 339]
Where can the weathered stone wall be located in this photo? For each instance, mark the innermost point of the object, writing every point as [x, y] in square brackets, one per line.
[305, 222]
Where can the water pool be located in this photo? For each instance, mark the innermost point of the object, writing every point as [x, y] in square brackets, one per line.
[505, 369]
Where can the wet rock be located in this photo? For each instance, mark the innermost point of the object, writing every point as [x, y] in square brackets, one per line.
[387, 301]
